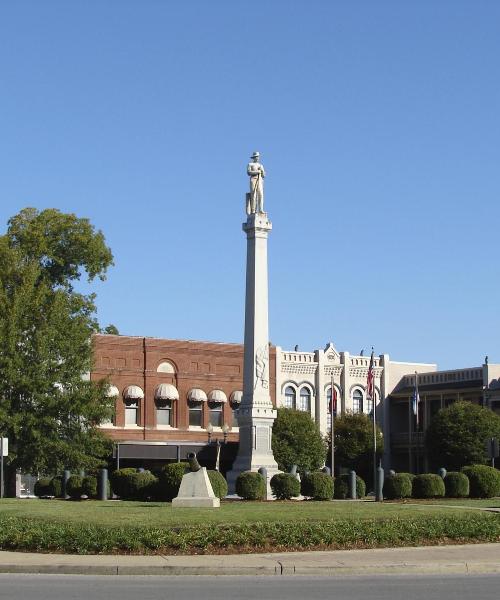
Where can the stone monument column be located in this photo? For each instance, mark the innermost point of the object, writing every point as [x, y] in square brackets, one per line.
[256, 413]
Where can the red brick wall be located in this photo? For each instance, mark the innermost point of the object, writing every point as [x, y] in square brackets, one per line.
[134, 361]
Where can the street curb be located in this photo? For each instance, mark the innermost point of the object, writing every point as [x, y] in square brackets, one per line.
[458, 568]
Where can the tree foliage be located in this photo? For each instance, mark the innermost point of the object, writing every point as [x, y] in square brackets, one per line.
[354, 443]
[457, 435]
[297, 440]
[48, 410]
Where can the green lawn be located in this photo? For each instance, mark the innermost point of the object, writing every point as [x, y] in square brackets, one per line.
[465, 502]
[117, 513]
[91, 527]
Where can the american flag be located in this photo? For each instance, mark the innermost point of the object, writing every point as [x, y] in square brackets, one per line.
[334, 401]
[370, 379]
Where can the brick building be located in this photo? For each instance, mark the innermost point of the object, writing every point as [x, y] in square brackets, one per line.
[170, 394]
[174, 396]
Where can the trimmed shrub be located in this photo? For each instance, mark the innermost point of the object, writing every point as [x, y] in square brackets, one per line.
[341, 487]
[89, 486]
[219, 484]
[56, 485]
[398, 486]
[74, 487]
[317, 485]
[285, 486]
[456, 485]
[169, 480]
[484, 481]
[43, 487]
[141, 486]
[251, 486]
[118, 481]
[428, 485]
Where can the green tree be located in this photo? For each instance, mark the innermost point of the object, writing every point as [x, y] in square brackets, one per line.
[297, 440]
[354, 443]
[48, 410]
[457, 435]
[110, 330]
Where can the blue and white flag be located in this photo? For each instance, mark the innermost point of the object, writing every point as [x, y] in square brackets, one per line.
[416, 399]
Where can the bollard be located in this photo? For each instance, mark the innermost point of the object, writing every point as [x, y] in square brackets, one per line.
[103, 484]
[379, 490]
[352, 485]
[442, 472]
[66, 476]
[263, 472]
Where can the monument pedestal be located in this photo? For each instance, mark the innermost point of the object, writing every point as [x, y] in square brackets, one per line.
[196, 491]
[256, 413]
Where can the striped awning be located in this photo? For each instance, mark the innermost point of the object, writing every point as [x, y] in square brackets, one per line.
[197, 395]
[112, 391]
[133, 392]
[217, 396]
[236, 397]
[166, 391]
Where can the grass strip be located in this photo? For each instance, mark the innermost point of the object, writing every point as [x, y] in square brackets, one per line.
[30, 535]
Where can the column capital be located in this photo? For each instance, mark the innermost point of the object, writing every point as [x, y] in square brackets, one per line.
[257, 223]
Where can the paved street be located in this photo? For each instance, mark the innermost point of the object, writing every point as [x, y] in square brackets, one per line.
[71, 587]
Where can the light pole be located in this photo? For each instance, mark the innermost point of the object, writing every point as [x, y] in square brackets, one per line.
[225, 431]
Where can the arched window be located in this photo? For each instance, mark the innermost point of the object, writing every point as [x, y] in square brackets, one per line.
[165, 367]
[163, 412]
[305, 400]
[112, 392]
[215, 413]
[132, 397]
[357, 401]
[369, 403]
[235, 402]
[196, 397]
[216, 400]
[289, 397]
[165, 394]
[131, 412]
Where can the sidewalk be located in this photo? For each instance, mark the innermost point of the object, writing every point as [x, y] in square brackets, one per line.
[480, 558]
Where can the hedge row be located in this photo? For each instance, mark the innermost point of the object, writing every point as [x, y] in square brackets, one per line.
[130, 484]
[33, 535]
[478, 481]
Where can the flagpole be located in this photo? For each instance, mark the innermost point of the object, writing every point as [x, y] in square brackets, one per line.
[417, 441]
[374, 444]
[370, 394]
[409, 435]
[332, 429]
[374, 434]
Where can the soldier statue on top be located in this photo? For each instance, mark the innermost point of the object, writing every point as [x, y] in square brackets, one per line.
[255, 199]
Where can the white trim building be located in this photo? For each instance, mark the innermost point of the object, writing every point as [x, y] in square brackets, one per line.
[304, 382]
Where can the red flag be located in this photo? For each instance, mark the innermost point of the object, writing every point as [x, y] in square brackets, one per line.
[370, 379]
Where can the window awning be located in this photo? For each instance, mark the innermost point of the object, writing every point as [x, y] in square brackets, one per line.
[113, 391]
[166, 391]
[236, 397]
[217, 396]
[197, 395]
[133, 392]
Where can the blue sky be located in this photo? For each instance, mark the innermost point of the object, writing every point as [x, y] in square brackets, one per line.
[378, 124]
